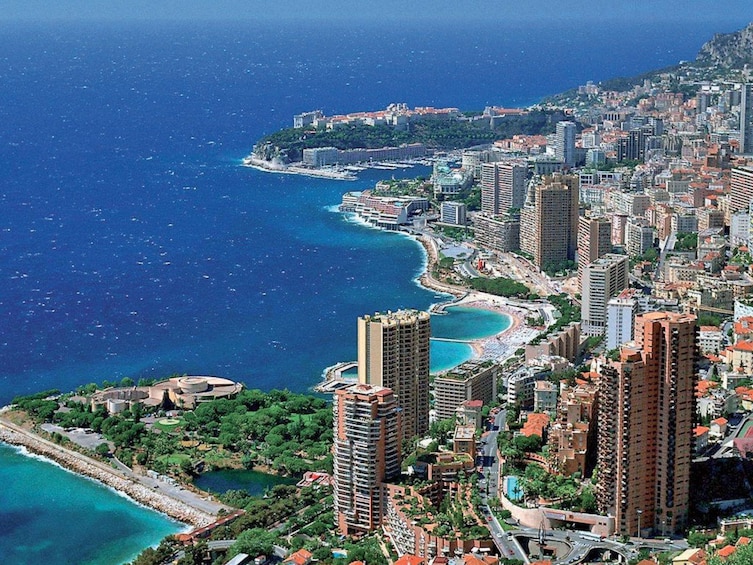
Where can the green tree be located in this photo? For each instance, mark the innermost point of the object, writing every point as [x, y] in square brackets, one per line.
[256, 541]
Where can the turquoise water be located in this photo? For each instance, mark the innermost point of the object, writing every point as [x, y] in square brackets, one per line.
[448, 354]
[253, 482]
[52, 516]
[462, 322]
[465, 324]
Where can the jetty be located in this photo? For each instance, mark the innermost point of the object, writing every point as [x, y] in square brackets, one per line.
[333, 377]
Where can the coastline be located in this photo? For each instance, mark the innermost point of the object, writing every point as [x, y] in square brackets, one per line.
[497, 347]
[254, 162]
[129, 485]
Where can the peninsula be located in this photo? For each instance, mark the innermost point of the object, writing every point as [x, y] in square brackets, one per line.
[336, 146]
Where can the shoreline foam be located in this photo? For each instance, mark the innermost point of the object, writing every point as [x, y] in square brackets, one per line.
[129, 487]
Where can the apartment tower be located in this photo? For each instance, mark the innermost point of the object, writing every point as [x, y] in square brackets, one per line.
[366, 452]
[564, 148]
[594, 241]
[645, 437]
[602, 279]
[393, 352]
[549, 220]
[503, 186]
[746, 118]
[741, 187]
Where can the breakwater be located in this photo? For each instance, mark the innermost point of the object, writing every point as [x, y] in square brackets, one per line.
[127, 485]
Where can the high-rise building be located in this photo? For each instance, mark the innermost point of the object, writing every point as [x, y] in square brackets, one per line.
[503, 186]
[639, 237]
[473, 380]
[564, 148]
[366, 452]
[741, 187]
[746, 118]
[549, 220]
[646, 413]
[594, 240]
[602, 279]
[497, 233]
[393, 352]
[621, 313]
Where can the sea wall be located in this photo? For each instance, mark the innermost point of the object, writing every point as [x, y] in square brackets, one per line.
[78, 463]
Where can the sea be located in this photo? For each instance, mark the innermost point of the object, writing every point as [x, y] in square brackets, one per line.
[132, 242]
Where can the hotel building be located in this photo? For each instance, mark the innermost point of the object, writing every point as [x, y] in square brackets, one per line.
[366, 452]
[393, 352]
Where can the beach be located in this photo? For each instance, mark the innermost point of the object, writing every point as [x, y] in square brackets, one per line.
[182, 505]
[497, 347]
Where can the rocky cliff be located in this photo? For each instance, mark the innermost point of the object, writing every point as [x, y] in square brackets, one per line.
[730, 50]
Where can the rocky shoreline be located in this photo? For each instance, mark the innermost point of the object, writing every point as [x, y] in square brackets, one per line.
[80, 464]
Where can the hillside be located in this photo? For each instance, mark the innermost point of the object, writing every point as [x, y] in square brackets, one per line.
[729, 50]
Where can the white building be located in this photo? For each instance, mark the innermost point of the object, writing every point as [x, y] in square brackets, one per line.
[602, 279]
[710, 339]
[453, 213]
[621, 312]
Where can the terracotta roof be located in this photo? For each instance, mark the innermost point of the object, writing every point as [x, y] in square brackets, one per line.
[472, 560]
[726, 551]
[300, 557]
[743, 346]
[700, 430]
[409, 559]
[720, 421]
[535, 424]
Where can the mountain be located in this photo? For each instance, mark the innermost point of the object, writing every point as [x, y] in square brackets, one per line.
[730, 50]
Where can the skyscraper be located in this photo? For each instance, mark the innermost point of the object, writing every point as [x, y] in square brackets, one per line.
[602, 279]
[564, 149]
[393, 352]
[647, 407]
[594, 240]
[366, 452]
[549, 220]
[746, 118]
[503, 186]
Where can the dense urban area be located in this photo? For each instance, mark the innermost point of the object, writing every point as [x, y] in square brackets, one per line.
[612, 422]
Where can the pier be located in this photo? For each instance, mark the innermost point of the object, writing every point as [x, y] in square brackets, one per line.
[333, 377]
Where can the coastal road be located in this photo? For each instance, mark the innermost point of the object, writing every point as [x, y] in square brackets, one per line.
[167, 498]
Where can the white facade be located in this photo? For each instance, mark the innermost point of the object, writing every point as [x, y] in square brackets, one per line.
[602, 279]
[621, 312]
[564, 148]
[453, 213]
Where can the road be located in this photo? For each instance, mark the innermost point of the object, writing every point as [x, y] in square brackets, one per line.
[581, 543]
[489, 488]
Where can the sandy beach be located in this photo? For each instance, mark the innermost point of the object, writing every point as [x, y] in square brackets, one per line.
[497, 347]
[181, 505]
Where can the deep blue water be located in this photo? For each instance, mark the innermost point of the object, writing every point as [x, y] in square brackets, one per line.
[132, 243]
